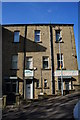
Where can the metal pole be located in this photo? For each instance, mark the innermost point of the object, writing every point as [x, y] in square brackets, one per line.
[41, 82]
[61, 70]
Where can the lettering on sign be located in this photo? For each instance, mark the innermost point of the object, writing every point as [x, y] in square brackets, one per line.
[29, 73]
[66, 73]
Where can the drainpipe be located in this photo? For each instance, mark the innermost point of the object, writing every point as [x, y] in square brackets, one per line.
[24, 81]
[52, 61]
[61, 69]
[41, 82]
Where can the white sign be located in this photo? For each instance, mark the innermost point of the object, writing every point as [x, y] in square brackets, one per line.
[29, 73]
[13, 77]
[66, 73]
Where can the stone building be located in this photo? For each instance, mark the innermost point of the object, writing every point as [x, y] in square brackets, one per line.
[38, 59]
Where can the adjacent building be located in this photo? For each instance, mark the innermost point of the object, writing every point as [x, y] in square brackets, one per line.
[38, 58]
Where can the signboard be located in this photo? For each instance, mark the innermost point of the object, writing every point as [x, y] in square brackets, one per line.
[29, 74]
[66, 73]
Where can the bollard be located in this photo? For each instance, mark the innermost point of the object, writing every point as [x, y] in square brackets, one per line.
[4, 101]
[17, 99]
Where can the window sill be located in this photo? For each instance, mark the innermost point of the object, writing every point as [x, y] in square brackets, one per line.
[46, 87]
[46, 69]
[16, 42]
[58, 42]
[14, 69]
[30, 69]
[37, 41]
[60, 69]
[38, 88]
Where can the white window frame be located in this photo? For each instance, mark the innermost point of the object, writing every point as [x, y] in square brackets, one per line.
[14, 61]
[29, 59]
[37, 34]
[62, 60]
[16, 38]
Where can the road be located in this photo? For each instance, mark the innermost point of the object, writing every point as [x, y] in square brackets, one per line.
[60, 107]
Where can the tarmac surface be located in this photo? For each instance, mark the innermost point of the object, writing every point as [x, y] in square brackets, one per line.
[53, 108]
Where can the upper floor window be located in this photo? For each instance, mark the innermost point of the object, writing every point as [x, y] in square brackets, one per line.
[37, 35]
[60, 60]
[45, 62]
[29, 63]
[58, 35]
[45, 83]
[14, 61]
[16, 36]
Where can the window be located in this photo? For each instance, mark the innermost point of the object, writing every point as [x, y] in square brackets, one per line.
[11, 86]
[37, 84]
[59, 84]
[16, 36]
[37, 35]
[29, 63]
[57, 35]
[59, 60]
[14, 61]
[45, 83]
[45, 62]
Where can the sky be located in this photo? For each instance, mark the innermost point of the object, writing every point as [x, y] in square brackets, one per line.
[41, 12]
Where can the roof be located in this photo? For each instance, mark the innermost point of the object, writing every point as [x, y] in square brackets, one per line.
[39, 24]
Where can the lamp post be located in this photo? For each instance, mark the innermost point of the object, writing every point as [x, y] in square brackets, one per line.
[60, 67]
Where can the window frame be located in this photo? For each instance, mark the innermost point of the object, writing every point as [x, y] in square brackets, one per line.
[44, 57]
[12, 62]
[45, 83]
[58, 30]
[58, 61]
[37, 34]
[30, 63]
[18, 38]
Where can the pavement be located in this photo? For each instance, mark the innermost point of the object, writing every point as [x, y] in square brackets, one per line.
[53, 108]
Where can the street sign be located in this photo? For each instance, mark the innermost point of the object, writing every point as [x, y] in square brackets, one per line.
[29, 74]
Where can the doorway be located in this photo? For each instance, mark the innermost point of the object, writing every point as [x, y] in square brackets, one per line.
[29, 90]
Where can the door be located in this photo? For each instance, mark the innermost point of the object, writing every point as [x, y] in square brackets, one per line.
[11, 90]
[29, 90]
[67, 85]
